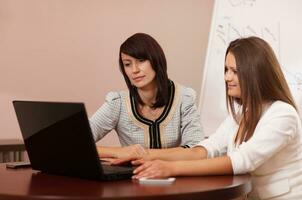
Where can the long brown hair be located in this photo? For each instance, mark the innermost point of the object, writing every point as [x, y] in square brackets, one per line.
[260, 79]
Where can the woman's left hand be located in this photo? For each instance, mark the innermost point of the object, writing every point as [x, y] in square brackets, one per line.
[154, 169]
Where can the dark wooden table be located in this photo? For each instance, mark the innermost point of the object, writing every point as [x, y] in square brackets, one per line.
[29, 184]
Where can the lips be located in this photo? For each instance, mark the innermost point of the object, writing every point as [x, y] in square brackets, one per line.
[138, 78]
[232, 86]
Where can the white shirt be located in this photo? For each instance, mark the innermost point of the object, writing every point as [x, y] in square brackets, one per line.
[273, 155]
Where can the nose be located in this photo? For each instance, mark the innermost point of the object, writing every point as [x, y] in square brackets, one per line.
[135, 67]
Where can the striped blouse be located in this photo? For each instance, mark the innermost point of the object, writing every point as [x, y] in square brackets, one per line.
[178, 125]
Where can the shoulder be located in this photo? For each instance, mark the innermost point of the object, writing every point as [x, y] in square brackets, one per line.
[113, 104]
[281, 108]
[114, 96]
[187, 93]
[187, 98]
[281, 114]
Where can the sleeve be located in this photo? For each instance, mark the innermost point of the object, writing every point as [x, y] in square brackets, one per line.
[190, 123]
[274, 131]
[106, 117]
[217, 144]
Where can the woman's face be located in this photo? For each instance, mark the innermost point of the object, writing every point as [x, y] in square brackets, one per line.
[139, 72]
[231, 77]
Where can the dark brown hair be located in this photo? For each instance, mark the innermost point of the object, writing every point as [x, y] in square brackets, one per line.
[143, 46]
[260, 79]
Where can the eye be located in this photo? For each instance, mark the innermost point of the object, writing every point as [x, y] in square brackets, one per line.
[126, 64]
[141, 60]
[225, 70]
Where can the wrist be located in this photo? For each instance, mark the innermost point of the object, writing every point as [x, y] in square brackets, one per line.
[150, 155]
[116, 152]
[154, 154]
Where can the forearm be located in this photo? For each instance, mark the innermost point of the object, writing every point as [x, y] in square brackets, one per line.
[178, 153]
[108, 152]
[214, 166]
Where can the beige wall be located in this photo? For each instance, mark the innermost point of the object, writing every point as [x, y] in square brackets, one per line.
[67, 50]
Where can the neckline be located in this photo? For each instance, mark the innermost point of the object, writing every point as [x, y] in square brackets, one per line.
[163, 115]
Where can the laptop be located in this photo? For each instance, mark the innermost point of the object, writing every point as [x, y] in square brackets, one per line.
[58, 140]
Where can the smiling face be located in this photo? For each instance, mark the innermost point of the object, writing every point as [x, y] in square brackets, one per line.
[139, 71]
[231, 77]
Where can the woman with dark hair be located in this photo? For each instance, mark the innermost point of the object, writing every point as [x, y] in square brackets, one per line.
[262, 136]
[155, 113]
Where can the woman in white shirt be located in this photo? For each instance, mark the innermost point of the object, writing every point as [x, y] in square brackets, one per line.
[262, 135]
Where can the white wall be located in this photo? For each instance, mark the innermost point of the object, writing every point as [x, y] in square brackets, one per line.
[63, 50]
[280, 27]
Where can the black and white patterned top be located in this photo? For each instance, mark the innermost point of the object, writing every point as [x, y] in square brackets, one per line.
[178, 125]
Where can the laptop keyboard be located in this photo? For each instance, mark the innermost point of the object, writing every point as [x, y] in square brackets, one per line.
[112, 169]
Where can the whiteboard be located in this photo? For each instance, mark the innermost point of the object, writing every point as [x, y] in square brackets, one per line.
[279, 22]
